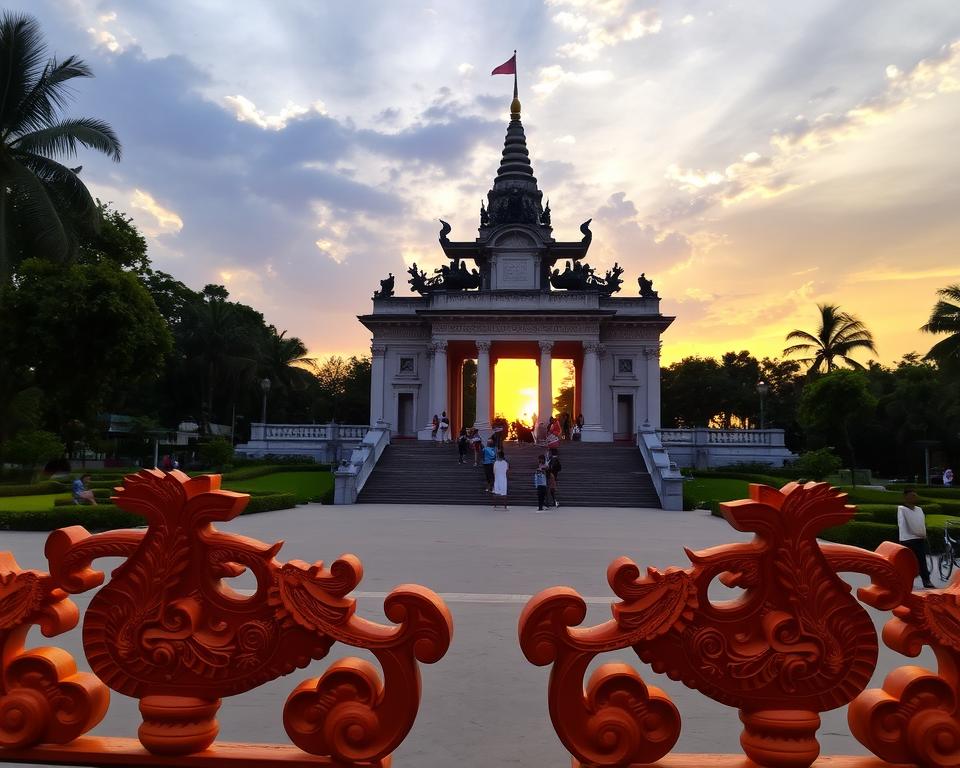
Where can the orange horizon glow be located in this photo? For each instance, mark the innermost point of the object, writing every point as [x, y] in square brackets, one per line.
[515, 387]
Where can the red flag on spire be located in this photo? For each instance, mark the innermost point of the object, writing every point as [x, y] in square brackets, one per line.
[509, 67]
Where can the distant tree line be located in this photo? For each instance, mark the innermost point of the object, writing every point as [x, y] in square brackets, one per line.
[873, 416]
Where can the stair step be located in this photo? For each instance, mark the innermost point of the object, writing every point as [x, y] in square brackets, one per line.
[593, 474]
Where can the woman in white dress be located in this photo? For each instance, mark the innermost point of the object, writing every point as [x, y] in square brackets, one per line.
[500, 470]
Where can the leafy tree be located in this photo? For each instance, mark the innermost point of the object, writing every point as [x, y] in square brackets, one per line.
[90, 333]
[117, 240]
[343, 390]
[692, 392]
[42, 202]
[469, 392]
[216, 453]
[945, 318]
[836, 405]
[34, 448]
[839, 335]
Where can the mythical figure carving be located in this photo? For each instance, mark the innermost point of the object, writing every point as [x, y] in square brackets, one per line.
[386, 288]
[580, 276]
[167, 630]
[545, 216]
[646, 287]
[587, 234]
[42, 696]
[444, 231]
[452, 277]
[484, 216]
[794, 644]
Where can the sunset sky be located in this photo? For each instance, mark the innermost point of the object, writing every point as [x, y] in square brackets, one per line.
[752, 158]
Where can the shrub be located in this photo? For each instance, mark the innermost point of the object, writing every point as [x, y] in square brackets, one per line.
[818, 464]
[259, 470]
[861, 533]
[105, 517]
[34, 489]
[216, 453]
[34, 448]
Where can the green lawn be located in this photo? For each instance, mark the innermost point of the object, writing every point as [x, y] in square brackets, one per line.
[27, 503]
[714, 489]
[308, 486]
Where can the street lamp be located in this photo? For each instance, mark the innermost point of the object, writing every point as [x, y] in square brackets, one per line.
[265, 386]
[762, 389]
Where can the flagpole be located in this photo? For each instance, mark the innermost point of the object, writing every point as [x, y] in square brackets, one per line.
[515, 74]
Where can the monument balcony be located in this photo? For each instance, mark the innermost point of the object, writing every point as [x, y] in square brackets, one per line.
[705, 448]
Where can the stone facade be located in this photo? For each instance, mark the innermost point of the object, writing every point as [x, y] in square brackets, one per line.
[532, 297]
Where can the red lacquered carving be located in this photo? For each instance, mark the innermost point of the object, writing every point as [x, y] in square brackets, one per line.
[166, 629]
[795, 643]
[42, 696]
[915, 717]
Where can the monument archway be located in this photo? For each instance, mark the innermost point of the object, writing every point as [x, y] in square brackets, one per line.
[516, 292]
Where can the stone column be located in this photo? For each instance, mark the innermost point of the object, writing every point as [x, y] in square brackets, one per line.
[652, 355]
[545, 398]
[441, 396]
[426, 402]
[590, 401]
[377, 352]
[482, 421]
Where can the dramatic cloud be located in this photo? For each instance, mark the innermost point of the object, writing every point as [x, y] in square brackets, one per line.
[600, 25]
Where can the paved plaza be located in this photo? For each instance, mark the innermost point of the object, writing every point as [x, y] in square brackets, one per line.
[483, 704]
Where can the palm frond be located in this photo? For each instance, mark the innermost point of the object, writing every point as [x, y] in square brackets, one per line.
[63, 137]
[803, 335]
[71, 189]
[801, 348]
[945, 318]
[945, 349]
[951, 292]
[49, 94]
[22, 52]
[38, 208]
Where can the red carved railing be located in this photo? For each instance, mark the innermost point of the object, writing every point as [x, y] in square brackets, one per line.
[794, 644]
[168, 631]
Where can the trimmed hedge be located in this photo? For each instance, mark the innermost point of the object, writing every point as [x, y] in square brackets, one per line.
[719, 474]
[104, 517]
[862, 533]
[34, 489]
[931, 492]
[249, 473]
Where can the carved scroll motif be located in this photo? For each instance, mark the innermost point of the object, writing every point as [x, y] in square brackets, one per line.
[42, 696]
[167, 630]
[915, 717]
[794, 644]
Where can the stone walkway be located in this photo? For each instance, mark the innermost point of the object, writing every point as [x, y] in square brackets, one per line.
[483, 704]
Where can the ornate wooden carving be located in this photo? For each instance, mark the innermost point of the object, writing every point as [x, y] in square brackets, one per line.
[42, 696]
[795, 642]
[915, 717]
[168, 631]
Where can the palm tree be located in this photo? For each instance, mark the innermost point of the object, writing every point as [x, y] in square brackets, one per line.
[839, 334]
[945, 318]
[42, 201]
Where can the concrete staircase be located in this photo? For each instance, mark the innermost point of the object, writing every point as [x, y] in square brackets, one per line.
[592, 475]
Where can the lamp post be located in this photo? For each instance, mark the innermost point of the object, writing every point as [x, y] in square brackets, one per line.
[265, 386]
[762, 389]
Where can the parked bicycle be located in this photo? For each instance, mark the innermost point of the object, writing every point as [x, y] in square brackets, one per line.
[950, 557]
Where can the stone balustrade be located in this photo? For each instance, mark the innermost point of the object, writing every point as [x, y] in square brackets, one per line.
[326, 443]
[704, 448]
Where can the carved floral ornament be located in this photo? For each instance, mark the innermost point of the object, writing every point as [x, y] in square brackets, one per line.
[794, 644]
[168, 631]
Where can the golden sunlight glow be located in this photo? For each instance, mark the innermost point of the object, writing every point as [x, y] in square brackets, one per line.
[515, 387]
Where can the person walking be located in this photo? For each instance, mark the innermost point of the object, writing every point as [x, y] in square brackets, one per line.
[476, 444]
[436, 427]
[553, 478]
[489, 457]
[444, 427]
[553, 432]
[463, 444]
[540, 481]
[565, 423]
[947, 477]
[500, 470]
[913, 532]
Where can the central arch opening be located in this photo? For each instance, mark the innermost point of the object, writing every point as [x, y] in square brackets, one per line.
[515, 391]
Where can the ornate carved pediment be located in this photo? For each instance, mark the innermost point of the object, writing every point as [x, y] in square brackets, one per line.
[515, 239]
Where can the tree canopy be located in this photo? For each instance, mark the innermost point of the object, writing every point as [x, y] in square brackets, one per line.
[839, 335]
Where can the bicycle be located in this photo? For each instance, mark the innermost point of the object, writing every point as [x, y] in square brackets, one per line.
[950, 557]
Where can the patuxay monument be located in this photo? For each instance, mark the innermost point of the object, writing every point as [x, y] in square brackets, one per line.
[515, 292]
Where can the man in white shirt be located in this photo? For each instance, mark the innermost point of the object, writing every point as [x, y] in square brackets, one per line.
[913, 532]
